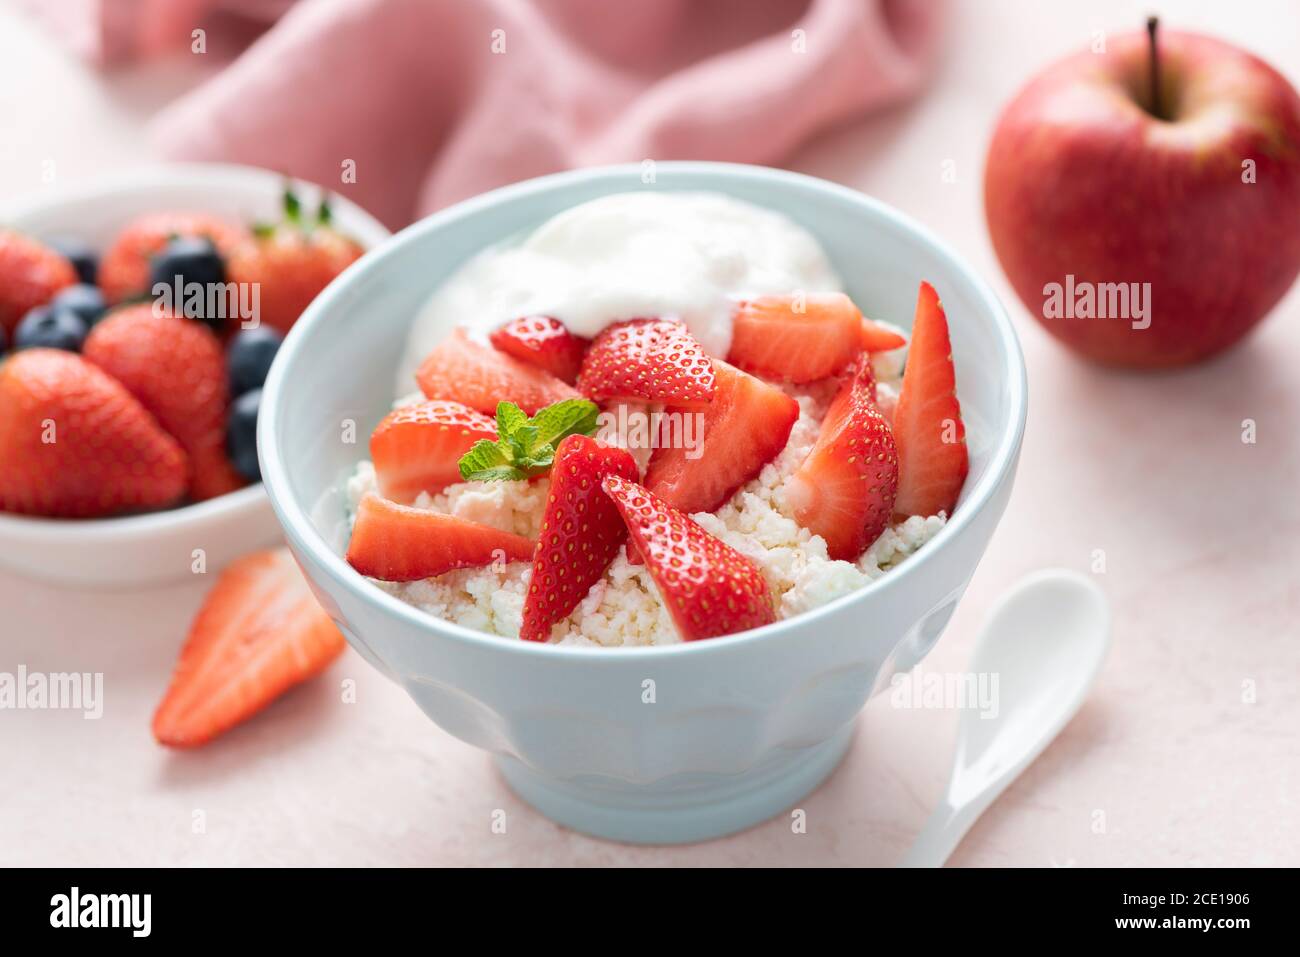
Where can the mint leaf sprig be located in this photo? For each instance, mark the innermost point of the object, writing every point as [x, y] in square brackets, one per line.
[525, 447]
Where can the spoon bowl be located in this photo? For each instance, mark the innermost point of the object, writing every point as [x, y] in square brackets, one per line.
[1045, 642]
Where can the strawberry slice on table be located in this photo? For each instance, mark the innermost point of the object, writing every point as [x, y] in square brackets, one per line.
[845, 489]
[258, 633]
[651, 360]
[417, 448]
[543, 342]
[177, 369]
[461, 370]
[398, 543]
[932, 456]
[581, 532]
[75, 443]
[30, 274]
[795, 338]
[744, 428]
[124, 268]
[709, 588]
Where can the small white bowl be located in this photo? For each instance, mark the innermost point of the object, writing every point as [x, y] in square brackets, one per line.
[739, 728]
[159, 546]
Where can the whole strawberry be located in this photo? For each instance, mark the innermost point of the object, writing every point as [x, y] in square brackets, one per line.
[581, 532]
[710, 589]
[30, 274]
[177, 369]
[124, 268]
[75, 443]
[292, 262]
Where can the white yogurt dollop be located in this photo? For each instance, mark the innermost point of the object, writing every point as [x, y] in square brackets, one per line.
[624, 256]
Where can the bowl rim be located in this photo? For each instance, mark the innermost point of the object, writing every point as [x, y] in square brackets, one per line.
[301, 533]
[17, 527]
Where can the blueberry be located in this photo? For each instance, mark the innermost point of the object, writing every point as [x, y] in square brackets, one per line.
[241, 435]
[85, 300]
[186, 260]
[81, 255]
[48, 328]
[249, 357]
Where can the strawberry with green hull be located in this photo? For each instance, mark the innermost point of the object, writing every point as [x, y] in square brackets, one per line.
[709, 588]
[543, 342]
[580, 535]
[745, 426]
[932, 456]
[75, 443]
[462, 370]
[399, 543]
[803, 338]
[30, 275]
[845, 489]
[649, 360]
[125, 267]
[292, 261]
[177, 369]
[417, 448]
[258, 633]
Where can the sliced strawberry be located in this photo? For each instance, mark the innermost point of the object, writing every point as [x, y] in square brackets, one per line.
[795, 338]
[177, 369]
[478, 376]
[543, 342]
[878, 338]
[652, 360]
[710, 589]
[581, 532]
[75, 443]
[398, 543]
[932, 457]
[417, 448]
[258, 633]
[844, 490]
[743, 429]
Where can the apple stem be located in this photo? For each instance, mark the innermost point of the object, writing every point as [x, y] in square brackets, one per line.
[1153, 24]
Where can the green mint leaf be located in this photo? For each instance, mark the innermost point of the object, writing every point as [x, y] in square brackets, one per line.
[569, 417]
[509, 418]
[539, 460]
[483, 456]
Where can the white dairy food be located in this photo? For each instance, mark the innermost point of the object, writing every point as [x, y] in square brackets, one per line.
[624, 256]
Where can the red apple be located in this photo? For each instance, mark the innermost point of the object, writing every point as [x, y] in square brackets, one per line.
[1094, 179]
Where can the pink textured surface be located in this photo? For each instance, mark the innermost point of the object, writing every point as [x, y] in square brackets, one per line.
[1167, 763]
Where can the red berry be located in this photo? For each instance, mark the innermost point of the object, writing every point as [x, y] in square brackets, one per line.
[709, 588]
[844, 490]
[581, 532]
[75, 443]
[543, 342]
[932, 457]
[652, 360]
[259, 633]
[398, 543]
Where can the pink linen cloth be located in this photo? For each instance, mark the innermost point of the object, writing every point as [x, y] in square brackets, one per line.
[430, 101]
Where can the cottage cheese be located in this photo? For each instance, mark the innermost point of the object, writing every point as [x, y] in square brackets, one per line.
[635, 254]
[623, 608]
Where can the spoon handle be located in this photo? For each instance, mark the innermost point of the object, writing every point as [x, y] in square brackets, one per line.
[945, 828]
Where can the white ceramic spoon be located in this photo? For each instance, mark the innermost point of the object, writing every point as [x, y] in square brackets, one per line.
[1045, 640]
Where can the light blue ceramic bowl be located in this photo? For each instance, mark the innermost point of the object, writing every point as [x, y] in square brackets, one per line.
[737, 729]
